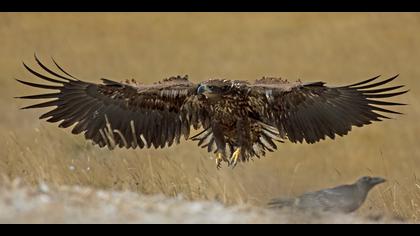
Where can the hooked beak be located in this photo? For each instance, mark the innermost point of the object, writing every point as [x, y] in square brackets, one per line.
[202, 89]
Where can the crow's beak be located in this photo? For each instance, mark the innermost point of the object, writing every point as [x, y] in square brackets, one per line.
[378, 180]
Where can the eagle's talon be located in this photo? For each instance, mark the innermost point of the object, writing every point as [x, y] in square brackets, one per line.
[218, 164]
[219, 159]
[233, 165]
[233, 161]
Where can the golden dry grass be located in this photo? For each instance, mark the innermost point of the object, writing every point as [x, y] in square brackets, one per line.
[336, 48]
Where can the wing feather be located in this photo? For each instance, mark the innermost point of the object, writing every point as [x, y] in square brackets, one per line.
[311, 111]
[118, 114]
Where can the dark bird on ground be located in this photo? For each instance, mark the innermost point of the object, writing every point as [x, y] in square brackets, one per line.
[239, 120]
[343, 199]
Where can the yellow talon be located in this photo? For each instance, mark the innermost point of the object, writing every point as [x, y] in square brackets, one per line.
[234, 158]
[219, 159]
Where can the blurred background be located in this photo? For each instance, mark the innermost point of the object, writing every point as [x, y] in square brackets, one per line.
[336, 48]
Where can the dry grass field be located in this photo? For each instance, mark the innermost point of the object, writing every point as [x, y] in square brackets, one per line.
[335, 48]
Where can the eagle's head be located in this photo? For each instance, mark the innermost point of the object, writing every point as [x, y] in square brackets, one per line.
[215, 89]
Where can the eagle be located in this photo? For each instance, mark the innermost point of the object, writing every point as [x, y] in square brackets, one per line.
[234, 119]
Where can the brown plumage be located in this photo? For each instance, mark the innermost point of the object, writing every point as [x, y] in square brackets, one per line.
[239, 119]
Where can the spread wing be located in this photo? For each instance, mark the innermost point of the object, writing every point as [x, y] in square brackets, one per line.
[312, 111]
[118, 114]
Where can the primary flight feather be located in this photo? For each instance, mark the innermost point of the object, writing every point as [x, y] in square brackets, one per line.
[239, 120]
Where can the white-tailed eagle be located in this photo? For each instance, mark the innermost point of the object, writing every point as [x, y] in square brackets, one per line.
[239, 120]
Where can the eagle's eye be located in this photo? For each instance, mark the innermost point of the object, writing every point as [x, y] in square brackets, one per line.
[205, 89]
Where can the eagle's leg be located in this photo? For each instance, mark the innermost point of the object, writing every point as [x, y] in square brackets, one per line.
[219, 138]
[234, 158]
